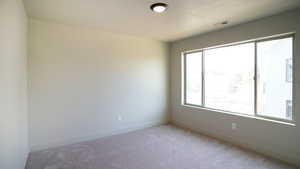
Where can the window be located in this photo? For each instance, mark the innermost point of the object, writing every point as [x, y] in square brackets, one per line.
[193, 80]
[229, 78]
[272, 87]
[253, 78]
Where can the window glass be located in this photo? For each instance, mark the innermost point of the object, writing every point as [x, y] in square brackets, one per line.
[194, 78]
[274, 78]
[229, 83]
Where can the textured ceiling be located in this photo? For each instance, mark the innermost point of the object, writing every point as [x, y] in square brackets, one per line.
[184, 18]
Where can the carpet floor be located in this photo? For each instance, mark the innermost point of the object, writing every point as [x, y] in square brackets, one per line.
[163, 147]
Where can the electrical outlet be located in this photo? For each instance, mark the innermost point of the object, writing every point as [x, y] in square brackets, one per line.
[233, 126]
[120, 118]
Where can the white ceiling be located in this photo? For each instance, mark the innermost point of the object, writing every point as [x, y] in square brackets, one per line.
[184, 18]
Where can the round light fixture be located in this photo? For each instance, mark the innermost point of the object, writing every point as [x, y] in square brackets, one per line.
[159, 7]
[224, 22]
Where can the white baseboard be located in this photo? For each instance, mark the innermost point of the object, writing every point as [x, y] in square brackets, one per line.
[93, 136]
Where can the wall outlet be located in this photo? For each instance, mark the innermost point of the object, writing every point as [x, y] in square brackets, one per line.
[120, 118]
[233, 126]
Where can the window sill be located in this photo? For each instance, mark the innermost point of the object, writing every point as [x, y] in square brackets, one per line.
[285, 122]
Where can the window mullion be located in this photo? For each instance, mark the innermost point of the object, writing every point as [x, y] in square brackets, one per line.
[184, 80]
[255, 78]
[203, 79]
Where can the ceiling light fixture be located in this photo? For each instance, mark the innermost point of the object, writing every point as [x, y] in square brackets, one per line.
[159, 7]
[224, 22]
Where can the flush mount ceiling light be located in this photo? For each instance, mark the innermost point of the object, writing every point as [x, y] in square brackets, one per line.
[159, 7]
[224, 22]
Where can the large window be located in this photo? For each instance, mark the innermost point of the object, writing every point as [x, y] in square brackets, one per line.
[253, 78]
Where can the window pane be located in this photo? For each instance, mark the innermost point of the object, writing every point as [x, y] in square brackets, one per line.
[274, 78]
[229, 83]
[194, 78]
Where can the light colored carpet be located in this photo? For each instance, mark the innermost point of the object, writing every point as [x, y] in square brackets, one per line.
[163, 147]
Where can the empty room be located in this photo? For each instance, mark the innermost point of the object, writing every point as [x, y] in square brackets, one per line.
[143, 84]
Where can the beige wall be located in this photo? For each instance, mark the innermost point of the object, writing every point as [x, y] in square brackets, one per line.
[275, 139]
[82, 79]
[13, 85]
